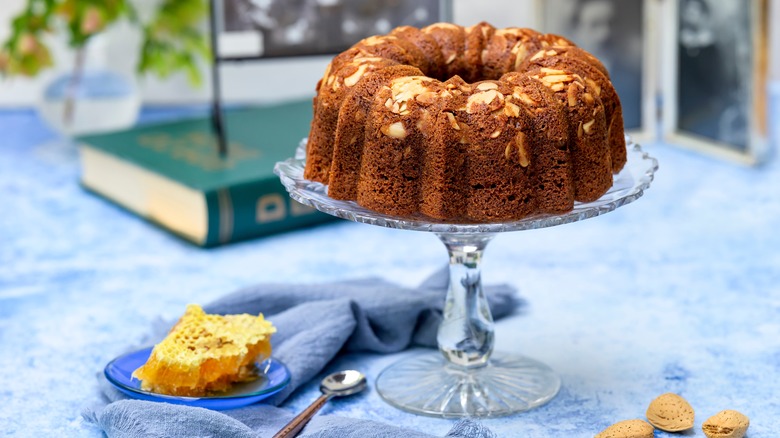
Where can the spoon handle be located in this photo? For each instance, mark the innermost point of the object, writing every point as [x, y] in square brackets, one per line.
[296, 424]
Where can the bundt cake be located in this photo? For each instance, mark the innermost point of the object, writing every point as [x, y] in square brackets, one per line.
[471, 124]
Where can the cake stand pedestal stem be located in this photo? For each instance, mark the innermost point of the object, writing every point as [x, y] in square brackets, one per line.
[465, 336]
[469, 380]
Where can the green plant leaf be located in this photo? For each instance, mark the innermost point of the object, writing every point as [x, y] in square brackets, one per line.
[173, 40]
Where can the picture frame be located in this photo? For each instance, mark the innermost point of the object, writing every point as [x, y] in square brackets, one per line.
[613, 30]
[261, 29]
[715, 76]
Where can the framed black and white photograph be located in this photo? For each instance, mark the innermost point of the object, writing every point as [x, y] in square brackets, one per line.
[251, 29]
[622, 34]
[715, 77]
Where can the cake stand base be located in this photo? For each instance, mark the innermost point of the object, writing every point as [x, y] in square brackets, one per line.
[427, 384]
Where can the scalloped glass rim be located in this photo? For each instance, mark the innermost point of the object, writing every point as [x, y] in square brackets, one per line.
[628, 185]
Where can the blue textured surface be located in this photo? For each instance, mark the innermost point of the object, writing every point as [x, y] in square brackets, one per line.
[679, 291]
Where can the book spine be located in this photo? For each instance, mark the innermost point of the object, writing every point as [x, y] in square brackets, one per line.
[255, 209]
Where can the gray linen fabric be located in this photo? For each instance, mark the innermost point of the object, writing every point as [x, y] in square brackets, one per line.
[366, 315]
[136, 418]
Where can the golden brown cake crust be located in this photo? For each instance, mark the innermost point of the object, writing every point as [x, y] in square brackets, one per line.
[350, 130]
[589, 69]
[444, 193]
[434, 60]
[329, 99]
[552, 170]
[505, 50]
[391, 164]
[469, 124]
[452, 42]
[590, 154]
[498, 162]
[477, 36]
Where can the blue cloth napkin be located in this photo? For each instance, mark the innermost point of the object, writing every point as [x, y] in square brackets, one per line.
[314, 322]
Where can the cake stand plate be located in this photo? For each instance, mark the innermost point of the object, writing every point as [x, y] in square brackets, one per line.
[465, 378]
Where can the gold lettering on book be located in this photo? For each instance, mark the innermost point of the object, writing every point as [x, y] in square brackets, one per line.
[197, 149]
[270, 208]
[157, 142]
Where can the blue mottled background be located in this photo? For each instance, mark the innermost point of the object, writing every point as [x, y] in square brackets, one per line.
[679, 291]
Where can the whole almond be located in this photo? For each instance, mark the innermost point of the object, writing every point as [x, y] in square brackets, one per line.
[670, 412]
[628, 429]
[726, 424]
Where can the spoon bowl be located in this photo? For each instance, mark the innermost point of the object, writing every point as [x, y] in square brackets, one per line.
[343, 383]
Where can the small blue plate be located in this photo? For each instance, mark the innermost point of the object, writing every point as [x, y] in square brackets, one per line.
[273, 377]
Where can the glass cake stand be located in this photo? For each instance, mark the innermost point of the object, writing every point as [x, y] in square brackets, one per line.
[466, 378]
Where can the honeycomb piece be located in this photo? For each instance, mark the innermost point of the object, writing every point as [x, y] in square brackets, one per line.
[206, 353]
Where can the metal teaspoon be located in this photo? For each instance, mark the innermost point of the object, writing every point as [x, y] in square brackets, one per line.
[338, 384]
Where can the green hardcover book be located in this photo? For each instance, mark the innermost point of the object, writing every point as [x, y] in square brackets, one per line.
[171, 174]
